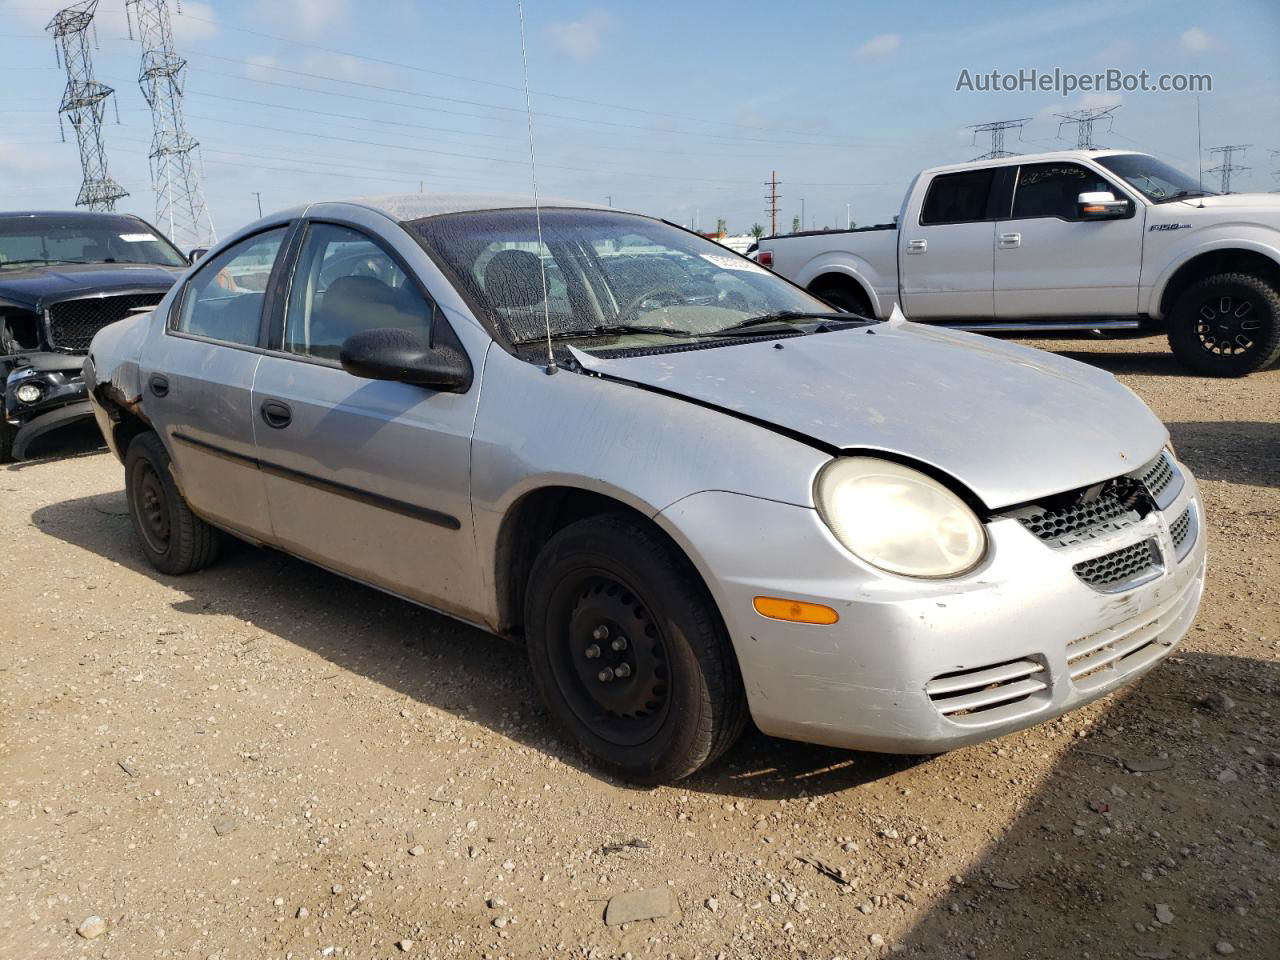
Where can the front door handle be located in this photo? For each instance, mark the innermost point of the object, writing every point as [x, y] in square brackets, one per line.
[1010, 240]
[917, 246]
[276, 414]
[159, 385]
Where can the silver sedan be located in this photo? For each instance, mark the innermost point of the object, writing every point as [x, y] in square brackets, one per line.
[695, 493]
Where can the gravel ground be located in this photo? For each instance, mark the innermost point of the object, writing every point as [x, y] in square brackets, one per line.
[264, 760]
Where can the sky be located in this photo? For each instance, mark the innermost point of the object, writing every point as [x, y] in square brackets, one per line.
[677, 110]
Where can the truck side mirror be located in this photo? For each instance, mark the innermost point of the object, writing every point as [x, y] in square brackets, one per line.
[1101, 206]
[199, 252]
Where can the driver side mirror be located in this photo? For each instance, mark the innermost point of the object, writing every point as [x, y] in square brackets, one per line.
[394, 354]
[1101, 206]
[196, 254]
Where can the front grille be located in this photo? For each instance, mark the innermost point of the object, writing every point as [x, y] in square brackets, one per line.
[1120, 568]
[1183, 530]
[72, 323]
[964, 693]
[1162, 480]
[1117, 505]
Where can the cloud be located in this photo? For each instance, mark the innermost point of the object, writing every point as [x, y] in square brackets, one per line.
[580, 39]
[261, 66]
[19, 159]
[196, 21]
[1197, 39]
[309, 18]
[879, 46]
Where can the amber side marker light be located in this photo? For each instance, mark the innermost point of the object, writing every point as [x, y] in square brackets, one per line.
[794, 611]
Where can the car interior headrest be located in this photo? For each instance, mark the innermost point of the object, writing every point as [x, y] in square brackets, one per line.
[513, 278]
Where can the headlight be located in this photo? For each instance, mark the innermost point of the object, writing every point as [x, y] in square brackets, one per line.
[28, 393]
[899, 519]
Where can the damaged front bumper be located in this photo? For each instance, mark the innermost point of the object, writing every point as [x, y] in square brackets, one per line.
[920, 666]
[39, 399]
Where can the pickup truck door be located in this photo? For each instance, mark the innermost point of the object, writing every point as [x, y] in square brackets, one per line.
[946, 258]
[1051, 263]
[197, 375]
[370, 478]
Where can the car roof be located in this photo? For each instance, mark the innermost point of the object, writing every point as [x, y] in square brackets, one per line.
[1029, 158]
[64, 214]
[415, 206]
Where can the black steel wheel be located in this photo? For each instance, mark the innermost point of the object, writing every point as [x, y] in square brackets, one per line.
[173, 538]
[629, 652]
[1227, 325]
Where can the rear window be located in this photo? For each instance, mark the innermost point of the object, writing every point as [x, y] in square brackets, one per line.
[958, 197]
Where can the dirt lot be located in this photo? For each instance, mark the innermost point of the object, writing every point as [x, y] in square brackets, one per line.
[264, 760]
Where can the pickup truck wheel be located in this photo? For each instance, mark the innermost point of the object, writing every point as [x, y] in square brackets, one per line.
[629, 652]
[7, 433]
[845, 296]
[1227, 325]
[173, 538]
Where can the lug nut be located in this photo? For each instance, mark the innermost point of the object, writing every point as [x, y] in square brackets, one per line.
[592, 652]
[619, 644]
[600, 633]
[622, 670]
[605, 675]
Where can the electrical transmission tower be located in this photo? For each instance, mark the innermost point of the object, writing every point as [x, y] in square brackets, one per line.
[180, 206]
[772, 197]
[997, 129]
[1226, 168]
[1084, 121]
[83, 104]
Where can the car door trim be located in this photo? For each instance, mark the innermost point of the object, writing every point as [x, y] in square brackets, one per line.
[410, 510]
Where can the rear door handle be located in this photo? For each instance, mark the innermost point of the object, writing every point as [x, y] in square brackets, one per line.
[1010, 240]
[917, 246]
[159, 385]
[276, 414]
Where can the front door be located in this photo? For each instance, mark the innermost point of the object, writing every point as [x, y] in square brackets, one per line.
[1051, 263]
[946, 259]
[197, 380]
[367, 477]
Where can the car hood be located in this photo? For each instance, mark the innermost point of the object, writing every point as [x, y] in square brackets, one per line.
[1011, 423]
[35, 286]
[1267, 202]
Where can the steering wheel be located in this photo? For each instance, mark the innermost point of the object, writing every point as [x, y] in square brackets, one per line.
[627, 311]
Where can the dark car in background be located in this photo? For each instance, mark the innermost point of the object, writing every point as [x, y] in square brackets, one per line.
[63, 277]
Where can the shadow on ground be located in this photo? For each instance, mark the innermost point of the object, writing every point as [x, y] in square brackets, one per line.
[1234, 451]
[364, 631]
[76, 440]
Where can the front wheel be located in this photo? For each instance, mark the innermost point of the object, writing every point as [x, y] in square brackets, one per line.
[173, 538]
[1227, 325]
[629, 652]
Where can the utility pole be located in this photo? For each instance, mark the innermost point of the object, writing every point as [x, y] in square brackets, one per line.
[179, 199]
[1227, 167]
[1084, 121]
[997, 128]
[83, 104]
[1275, 174]
[803, 221]
[608, 197]
[258, 194]
[848, 216]
[772, 209]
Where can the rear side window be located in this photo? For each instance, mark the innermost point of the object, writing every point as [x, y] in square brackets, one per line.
[958, 197]
[224, 300]
[1052, 190]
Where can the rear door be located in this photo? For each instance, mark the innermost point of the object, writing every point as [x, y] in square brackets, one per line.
[197, 381]
[367, 477]
[946, 259]
[1051, 263]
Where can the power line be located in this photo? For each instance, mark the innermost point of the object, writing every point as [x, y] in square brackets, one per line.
[179, 200]
[1084, 121]
[1228, 166]
[83, 103]
[997, 128]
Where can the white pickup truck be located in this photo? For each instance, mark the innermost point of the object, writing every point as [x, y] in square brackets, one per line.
[1073, 240]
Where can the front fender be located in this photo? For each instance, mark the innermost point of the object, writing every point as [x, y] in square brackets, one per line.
[1252, 237]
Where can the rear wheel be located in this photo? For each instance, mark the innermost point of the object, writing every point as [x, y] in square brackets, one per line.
[173, 538]
[1227, 325]
[629, 652]
[844, 294]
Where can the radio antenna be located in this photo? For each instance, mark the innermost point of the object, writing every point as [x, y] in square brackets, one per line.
[537, 209]
[1200, 151]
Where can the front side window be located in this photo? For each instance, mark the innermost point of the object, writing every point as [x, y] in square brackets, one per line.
[83, 238]
[958, 197]
[344, 284]
[1053, 190]
[224, 300]
[613, 280]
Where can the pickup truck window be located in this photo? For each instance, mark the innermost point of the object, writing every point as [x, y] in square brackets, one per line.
[1051, 190]
[223, 301]
[958, 197]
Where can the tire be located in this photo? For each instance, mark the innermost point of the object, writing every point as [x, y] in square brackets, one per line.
[680, 705]
[1226, 325]
[7, 433]
[845, 296]
[173, 538]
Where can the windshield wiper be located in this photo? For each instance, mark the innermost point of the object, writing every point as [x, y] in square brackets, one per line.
[607, 330]
[785, 317]
[1183, 195]
[46, 260]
